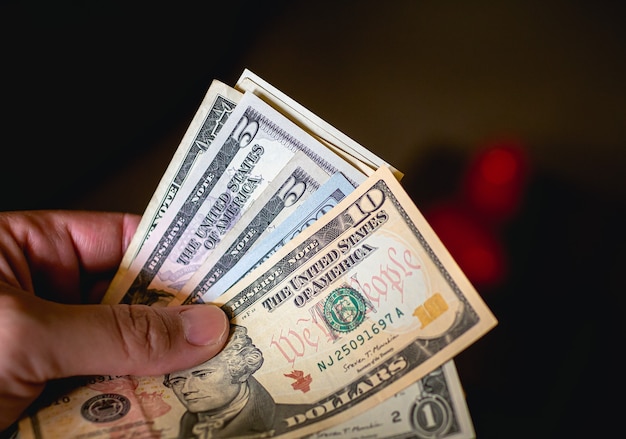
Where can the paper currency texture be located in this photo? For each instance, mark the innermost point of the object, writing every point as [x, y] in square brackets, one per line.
[252, 147]
[357, 308]
[433, 407]
[360, 305]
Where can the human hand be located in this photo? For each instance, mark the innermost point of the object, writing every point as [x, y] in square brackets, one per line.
[51, 261]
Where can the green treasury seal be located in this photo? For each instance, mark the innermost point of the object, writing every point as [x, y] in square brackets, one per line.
[344, 309]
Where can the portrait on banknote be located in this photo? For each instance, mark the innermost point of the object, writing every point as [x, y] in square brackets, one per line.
[222, 397]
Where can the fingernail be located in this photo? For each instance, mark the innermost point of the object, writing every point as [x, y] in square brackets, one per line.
[204, 325]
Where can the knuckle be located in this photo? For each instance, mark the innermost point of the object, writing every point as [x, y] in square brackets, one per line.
[143, 332]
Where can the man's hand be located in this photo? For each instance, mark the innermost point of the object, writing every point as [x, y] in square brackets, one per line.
[51, 264]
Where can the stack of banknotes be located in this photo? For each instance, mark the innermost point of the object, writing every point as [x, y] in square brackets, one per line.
[346, 309]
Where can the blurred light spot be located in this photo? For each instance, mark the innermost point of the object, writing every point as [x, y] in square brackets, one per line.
[475, 247]
[495, 181]
[498, 166]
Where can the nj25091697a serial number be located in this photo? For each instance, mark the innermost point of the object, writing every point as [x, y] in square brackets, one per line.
[356, 343]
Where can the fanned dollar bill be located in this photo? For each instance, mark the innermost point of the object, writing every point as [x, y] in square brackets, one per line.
[218, 104]
[334, 139]
[345, 308]
[219, 101]
[208, 283]
[283, 196]
[368, 300]
[344, 318]
[433, 407]
[254, 144]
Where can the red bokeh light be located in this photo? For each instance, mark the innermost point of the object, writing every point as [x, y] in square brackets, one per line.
[495, 181]
[469, 222]
[473, 245]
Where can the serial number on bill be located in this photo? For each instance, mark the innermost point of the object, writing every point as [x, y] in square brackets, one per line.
[356, 343]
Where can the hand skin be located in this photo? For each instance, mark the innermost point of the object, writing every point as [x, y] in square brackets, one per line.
[54, 269]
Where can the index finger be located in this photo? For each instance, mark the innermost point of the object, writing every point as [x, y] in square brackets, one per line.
[55, 254]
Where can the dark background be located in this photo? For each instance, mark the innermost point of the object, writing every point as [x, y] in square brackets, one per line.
[96, 97]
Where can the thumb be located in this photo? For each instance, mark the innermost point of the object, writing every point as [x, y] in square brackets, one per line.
[129, 339]
[42, 340]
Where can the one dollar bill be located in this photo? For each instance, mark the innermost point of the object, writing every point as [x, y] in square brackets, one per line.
[433, 407]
